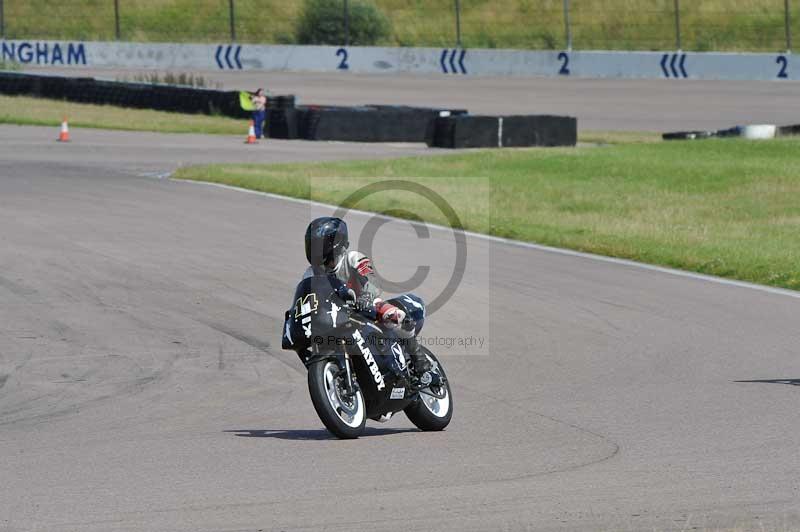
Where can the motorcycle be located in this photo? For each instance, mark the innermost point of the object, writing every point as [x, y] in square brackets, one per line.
[358, 370]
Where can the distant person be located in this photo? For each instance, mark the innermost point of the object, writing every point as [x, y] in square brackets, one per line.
[259, 100]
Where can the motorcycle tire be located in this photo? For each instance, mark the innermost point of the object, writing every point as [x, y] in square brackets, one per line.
[434, 408]
[344, 417]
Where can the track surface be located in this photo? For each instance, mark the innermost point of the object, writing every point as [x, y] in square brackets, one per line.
[142, 386]
[632, 105]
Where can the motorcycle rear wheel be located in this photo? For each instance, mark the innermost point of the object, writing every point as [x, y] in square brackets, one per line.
[434, 408]
[345, 417]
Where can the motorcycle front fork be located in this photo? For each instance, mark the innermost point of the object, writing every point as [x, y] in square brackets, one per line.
[349, 379]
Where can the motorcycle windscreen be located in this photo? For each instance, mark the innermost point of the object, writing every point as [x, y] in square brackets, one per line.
[316, 312]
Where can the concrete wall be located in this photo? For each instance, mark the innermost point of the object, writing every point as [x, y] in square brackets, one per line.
[445, 62]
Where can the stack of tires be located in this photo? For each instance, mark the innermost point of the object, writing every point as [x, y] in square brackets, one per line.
[173, 98]
[281, 117]
[466, 131]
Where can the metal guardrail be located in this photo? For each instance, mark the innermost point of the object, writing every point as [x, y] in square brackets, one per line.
[764, 25]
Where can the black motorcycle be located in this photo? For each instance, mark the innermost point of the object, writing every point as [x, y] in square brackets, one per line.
[358, 370]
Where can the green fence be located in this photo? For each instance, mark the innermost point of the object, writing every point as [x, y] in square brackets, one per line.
[696, 25]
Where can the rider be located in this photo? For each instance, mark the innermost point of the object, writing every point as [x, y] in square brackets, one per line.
[326, 250]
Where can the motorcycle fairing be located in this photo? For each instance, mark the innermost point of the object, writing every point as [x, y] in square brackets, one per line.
[372, 355]
[317, 311]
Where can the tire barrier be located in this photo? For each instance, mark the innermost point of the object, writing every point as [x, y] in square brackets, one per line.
[788, 131]
[374, 123]
[506, 131]
[368, 124]
[690, 135]
[371, 123]
[735, 131]
[138, 95]
[452, 128]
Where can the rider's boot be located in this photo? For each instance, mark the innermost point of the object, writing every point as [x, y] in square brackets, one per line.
[418, 359]
[422, 366]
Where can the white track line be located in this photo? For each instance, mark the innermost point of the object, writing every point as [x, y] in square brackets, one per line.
[528, 245]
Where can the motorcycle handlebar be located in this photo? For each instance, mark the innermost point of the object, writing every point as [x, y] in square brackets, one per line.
[370, 313]
[348, 296]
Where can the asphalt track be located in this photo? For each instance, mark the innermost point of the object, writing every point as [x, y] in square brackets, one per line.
[142, 386]
[599, 104]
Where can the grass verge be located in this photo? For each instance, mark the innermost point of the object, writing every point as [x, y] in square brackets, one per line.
[23, 110]
[722, 207]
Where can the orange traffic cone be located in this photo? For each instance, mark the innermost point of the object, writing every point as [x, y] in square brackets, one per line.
[64, 135]
[251, 134]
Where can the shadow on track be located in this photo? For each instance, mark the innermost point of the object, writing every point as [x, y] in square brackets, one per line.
[316, 434]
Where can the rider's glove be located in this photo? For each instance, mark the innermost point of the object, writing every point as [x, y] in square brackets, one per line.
[346, 294]
[389, 315]
[364, 304]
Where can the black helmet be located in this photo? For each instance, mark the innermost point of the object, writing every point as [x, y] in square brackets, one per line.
[326, 242]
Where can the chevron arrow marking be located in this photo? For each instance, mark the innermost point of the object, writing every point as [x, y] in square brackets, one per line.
[664, 65]
[216, 56]
[672, 65]
[228, 56]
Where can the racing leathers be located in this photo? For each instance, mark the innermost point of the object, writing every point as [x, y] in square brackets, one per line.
[355, 271]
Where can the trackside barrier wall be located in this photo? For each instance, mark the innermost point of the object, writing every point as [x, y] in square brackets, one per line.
[450, 62]
[379, 123]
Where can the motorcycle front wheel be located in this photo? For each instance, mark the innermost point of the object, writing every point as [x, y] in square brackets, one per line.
[343, 414]
[434, 408]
